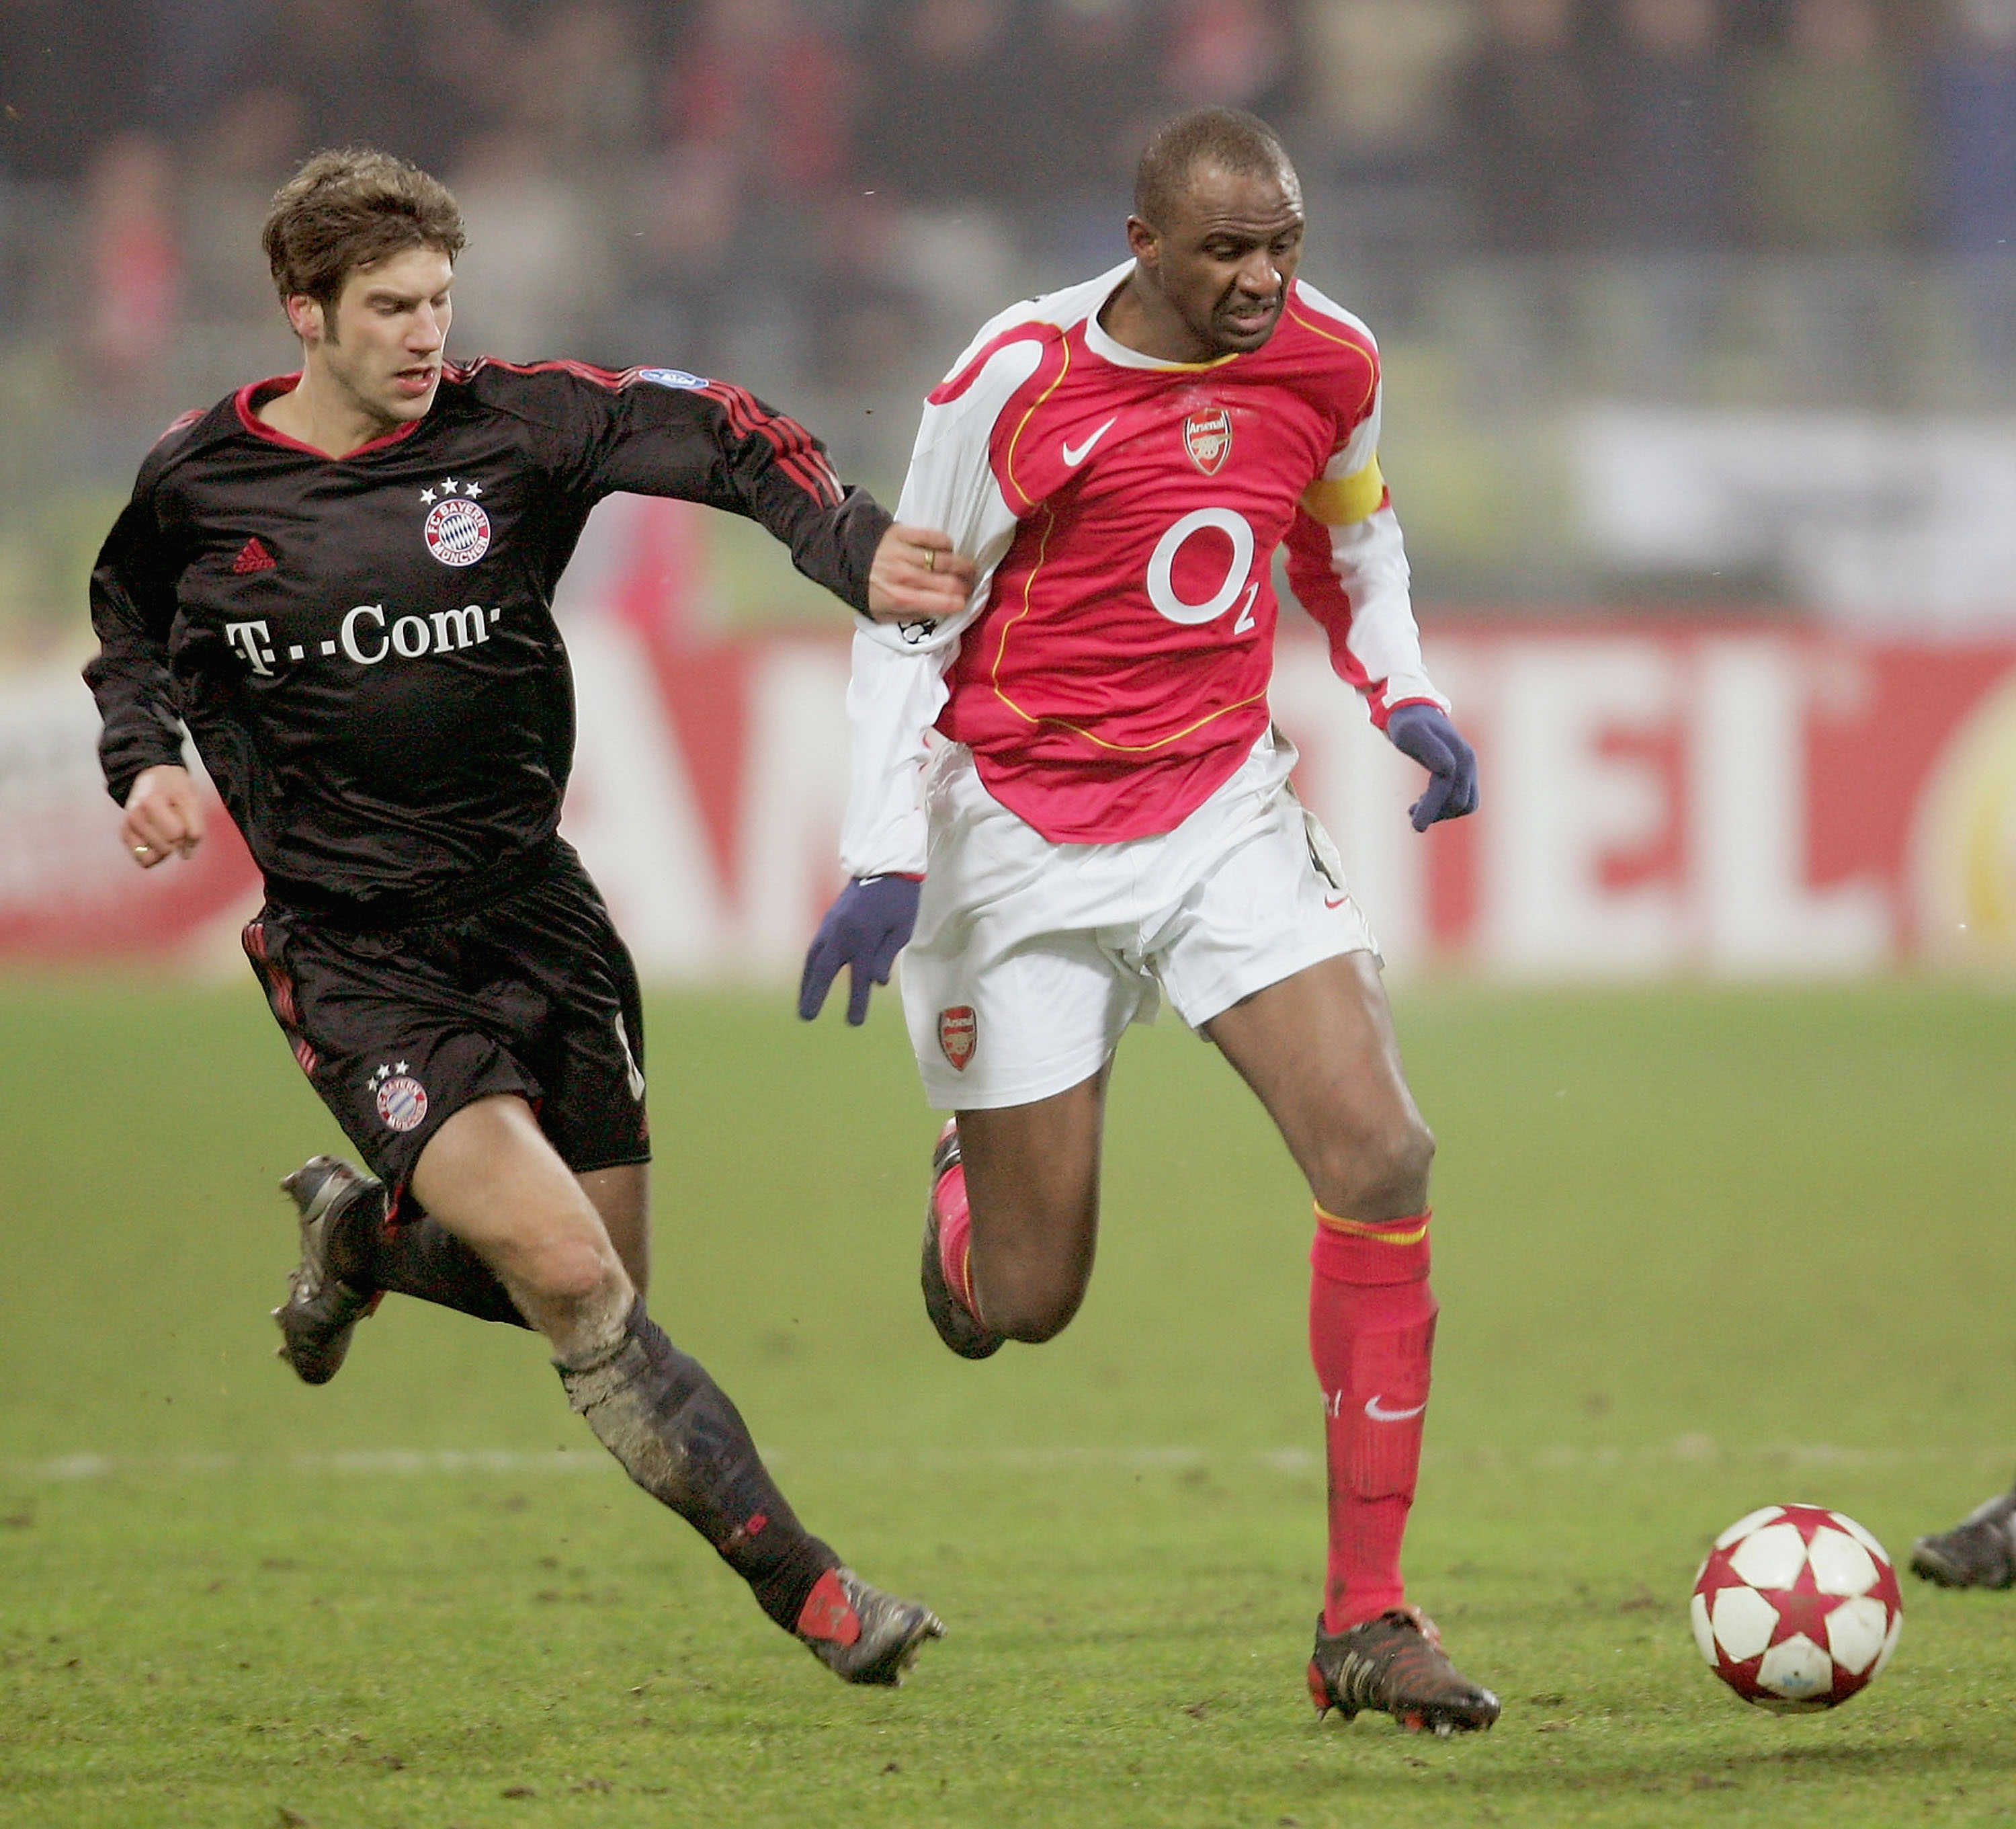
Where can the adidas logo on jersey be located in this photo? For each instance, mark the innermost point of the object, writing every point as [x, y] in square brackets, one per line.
[253, 557]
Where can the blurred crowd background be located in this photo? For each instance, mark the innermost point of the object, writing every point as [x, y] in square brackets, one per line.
[1764, 244]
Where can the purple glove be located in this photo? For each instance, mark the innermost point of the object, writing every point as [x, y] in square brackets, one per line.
[1425, 732]
[866, 927]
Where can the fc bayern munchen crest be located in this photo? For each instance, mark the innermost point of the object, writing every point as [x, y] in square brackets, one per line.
[402, 1102]
[957, 1032]
[1207, 437]
[458, 532]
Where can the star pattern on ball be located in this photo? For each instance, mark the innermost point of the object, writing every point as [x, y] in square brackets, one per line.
[1797, 1607]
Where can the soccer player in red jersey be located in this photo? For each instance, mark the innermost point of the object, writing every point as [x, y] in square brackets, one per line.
[1106, 814]
[341, 583]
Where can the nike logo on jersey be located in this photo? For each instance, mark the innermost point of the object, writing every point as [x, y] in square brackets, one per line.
[1379, 1414]
[1074, 458]
[1335, 901]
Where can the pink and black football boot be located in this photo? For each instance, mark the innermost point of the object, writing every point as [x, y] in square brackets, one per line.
[950, 1308]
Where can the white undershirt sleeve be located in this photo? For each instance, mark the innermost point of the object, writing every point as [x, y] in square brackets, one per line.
[898, 685]
[892, 701]
[1349, 565]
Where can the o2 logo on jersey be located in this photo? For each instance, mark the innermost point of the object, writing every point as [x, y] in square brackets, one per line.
[1162, 592]
[458, 532]
[1207, 437]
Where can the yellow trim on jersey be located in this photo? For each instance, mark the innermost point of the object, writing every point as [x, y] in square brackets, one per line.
[1193, 368]
[1064, 344]
[1358, 1229]
[1346, 338]
[1135, 749]
[1343, 500]
[1001, 654]
[1348, 342]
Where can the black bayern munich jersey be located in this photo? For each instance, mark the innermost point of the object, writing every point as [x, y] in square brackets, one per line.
[363, 647]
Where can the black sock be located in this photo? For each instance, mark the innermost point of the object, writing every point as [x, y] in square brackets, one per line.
[677, 1436]
[423, 1258]
[419, 1257]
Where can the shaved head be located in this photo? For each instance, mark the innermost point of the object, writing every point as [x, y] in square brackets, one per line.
[1226, 139]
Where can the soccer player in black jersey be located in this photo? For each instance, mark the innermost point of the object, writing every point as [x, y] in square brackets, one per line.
[341, 583]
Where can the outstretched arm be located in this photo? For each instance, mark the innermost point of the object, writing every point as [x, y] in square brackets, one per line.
[661, 432]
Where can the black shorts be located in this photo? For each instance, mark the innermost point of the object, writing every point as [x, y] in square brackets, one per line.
[533, 993]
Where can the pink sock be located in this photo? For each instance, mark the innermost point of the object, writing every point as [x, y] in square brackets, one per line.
[955, 1235]
[1372, 1332]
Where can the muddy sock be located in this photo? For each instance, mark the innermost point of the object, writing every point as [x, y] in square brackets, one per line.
[677, 1436]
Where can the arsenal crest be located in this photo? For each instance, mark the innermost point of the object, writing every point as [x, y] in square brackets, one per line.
[958, 1033]
[1207, 437]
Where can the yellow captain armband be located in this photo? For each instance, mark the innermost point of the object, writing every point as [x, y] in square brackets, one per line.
[1338, 502]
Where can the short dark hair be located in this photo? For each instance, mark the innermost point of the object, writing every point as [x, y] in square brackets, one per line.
[1228, 138]
[349, 208]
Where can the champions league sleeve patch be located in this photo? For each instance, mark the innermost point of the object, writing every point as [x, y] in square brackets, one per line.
[402, 1099]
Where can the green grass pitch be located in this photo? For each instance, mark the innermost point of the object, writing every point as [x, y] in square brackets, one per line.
[1697, 1250]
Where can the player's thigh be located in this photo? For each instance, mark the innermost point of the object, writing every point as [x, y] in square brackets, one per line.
[1255, 896]
[558, 958]
[387, 1030]
[1009, 996]
[490, 1176]
[1318, 1049]
[1032, 1170]
[621, 1197]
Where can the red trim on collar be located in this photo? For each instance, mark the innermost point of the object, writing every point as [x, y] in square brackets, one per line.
[254, 394]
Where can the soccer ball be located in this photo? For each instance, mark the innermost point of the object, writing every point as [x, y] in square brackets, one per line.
[1797, 1608]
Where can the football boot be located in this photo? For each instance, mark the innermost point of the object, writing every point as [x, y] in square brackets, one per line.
[321, 1312]
[1395, 1664]
[861, 1634]
[957, 1325]
[1978, 1552]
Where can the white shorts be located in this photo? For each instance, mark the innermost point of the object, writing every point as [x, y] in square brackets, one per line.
[1031, 959]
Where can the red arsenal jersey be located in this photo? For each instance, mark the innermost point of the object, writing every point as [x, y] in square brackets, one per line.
[1113, 670]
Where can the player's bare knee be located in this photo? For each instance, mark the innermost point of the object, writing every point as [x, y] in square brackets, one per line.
[1381, 1175]
[1028, 1301]
[1032, 1315]
[567, 1272]
[580, 1318]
